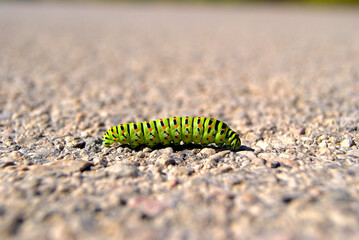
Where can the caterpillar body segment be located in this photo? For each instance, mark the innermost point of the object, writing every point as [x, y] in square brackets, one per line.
[187, 126]
[164, 131]
[151, 134]
[173, 130]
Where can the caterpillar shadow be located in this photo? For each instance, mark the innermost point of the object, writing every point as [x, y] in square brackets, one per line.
[190, 146]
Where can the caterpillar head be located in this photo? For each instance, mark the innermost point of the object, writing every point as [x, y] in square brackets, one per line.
[233, 143]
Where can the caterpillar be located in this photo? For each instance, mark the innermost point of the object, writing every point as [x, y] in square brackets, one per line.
[173, 130]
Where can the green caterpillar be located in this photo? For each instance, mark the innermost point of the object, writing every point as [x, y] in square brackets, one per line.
[173, 130]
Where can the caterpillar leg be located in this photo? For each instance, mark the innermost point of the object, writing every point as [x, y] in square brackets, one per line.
[220, 145]
[204, 145]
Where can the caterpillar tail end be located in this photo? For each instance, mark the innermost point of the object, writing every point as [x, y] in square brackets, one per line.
[236, 143]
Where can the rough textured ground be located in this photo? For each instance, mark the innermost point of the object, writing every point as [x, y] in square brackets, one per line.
[287, 79]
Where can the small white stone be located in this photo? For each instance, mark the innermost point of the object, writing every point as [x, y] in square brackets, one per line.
[347, 143]
[166, 160]
[141, 154]
[289, 140]
[167, 150]
[207, 151]
[100, 161]
[85, 134]
[262, 145]
[147, 150]
[323, 144]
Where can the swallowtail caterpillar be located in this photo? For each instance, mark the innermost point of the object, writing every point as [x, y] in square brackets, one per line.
[173, 130]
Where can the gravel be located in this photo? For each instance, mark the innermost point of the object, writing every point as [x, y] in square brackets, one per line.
[285, 78]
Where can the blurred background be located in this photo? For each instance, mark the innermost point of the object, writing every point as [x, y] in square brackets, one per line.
[155, 60]
[205, 1]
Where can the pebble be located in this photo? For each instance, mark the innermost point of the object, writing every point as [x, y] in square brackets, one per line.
[253, 158]
[252, 136]
[171, 183]
[275, 164]
[147, 150]
[263, 145]
[166, 160]
[123, 171]
[347, 143]
[149, 207]
[300, 131]
[141, 154]
[6, 163]
[167, 150]
[16, 154]
[353, 129]
[100, 161]
[220, 155]
[207, 152]
[289, 140]
[78, 143]
[65, 167]
[210, 163]
[181, 171]
[60, 146]
[323, 144]
[223, 169]
[154, 154]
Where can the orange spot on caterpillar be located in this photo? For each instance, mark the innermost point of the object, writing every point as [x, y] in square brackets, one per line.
[210, 126]
[222, 137]
[153, 138]
[164, 127]
[114, 139]
[177, 135]
[123, 131]
[176, 126]
[150, 129]
[199, 125]
[197, 135]
[137, 139]
[187, 134]
[124, 139]
[187, 125]
[136, 130]
[167, 137]
[209, 136]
